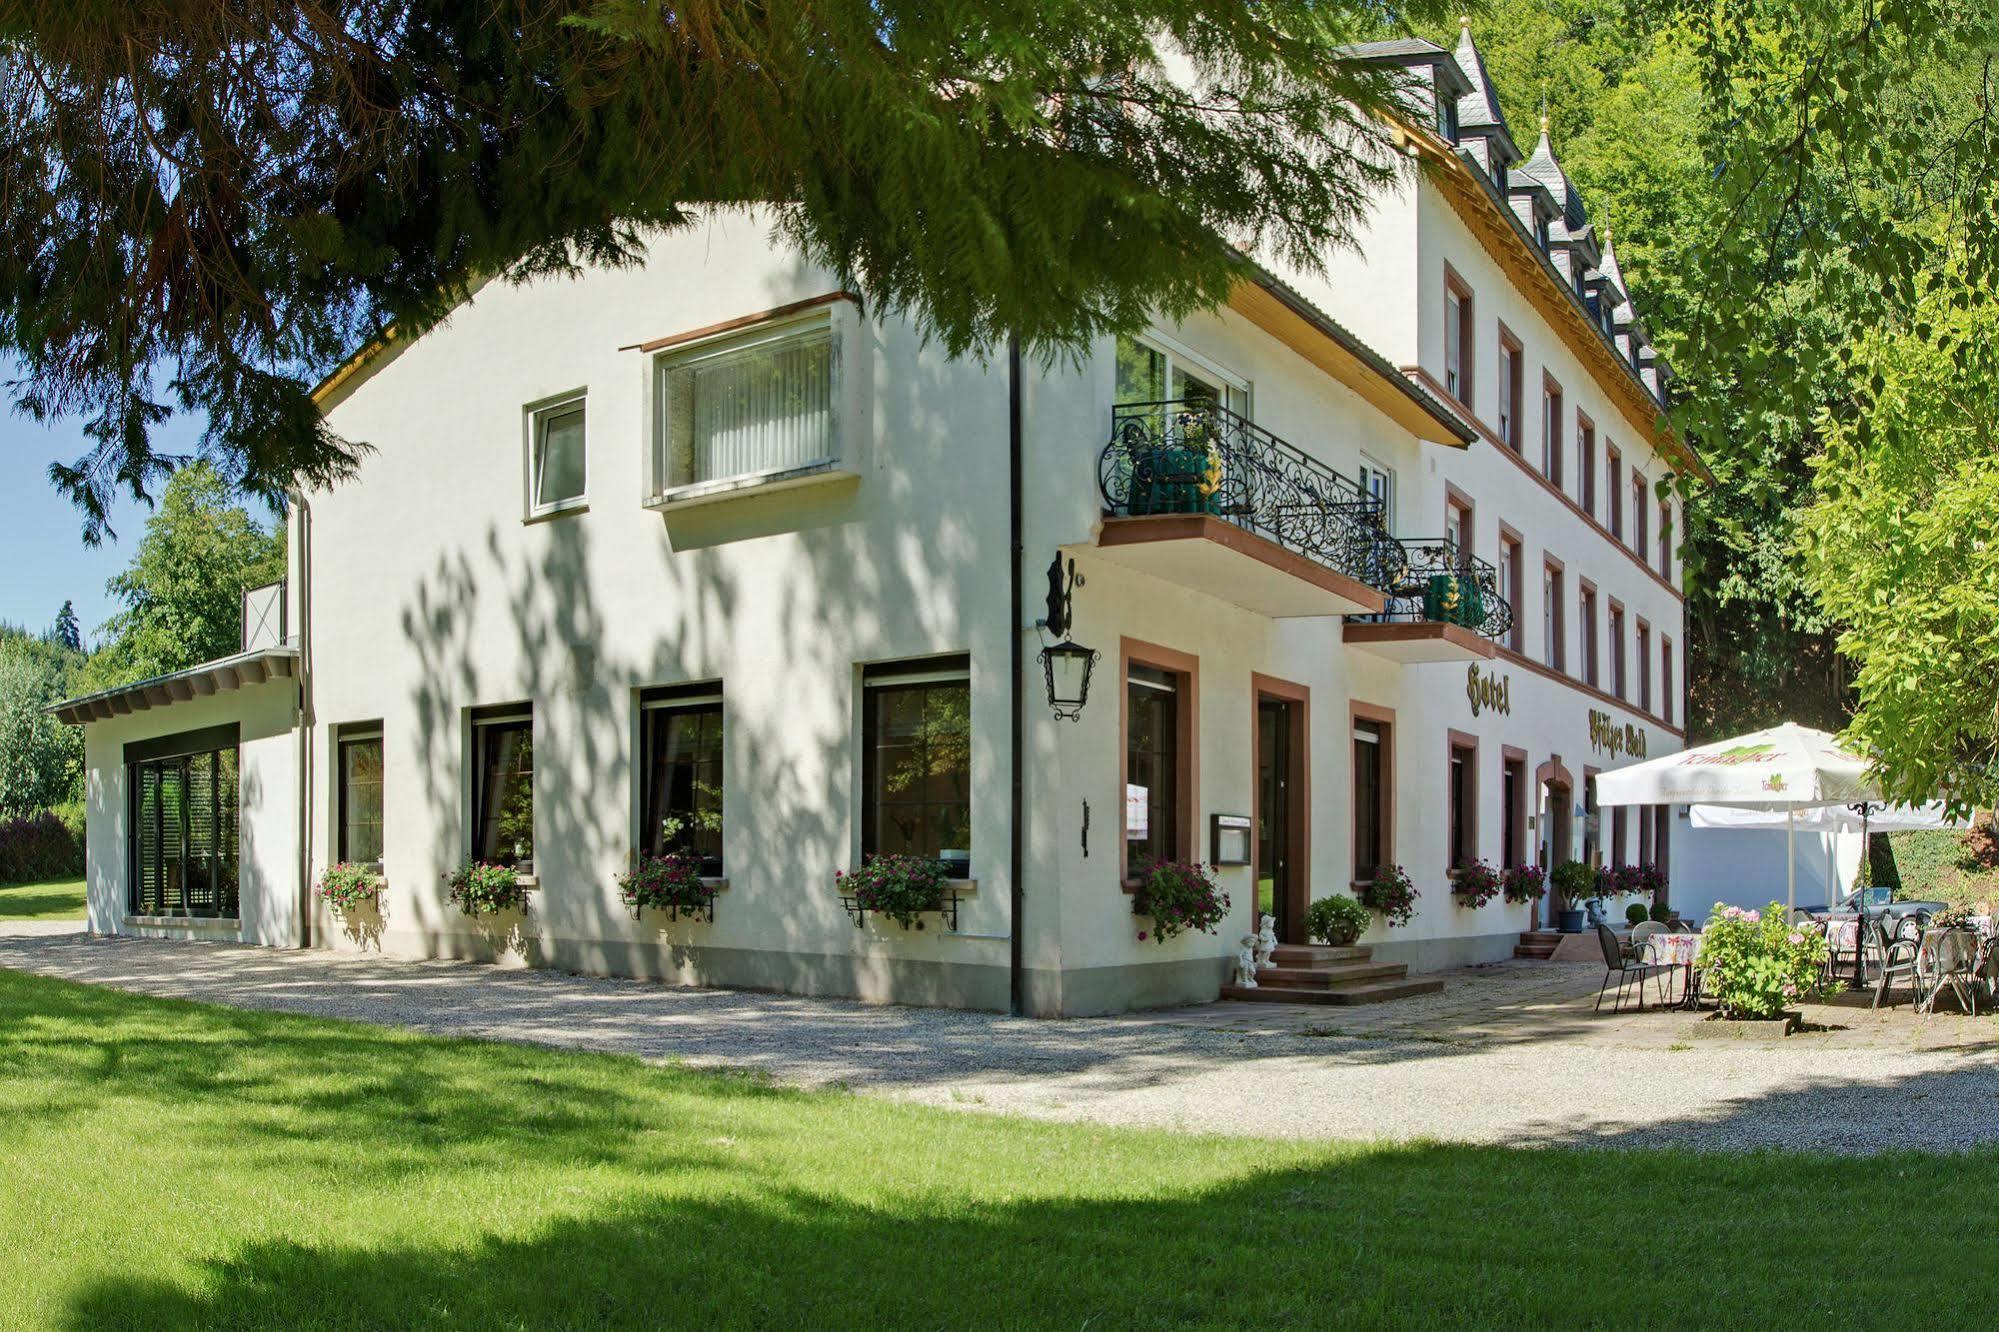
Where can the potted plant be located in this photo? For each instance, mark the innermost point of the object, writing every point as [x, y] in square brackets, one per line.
[1524, 883]
[1661, 912]
[1179, 896]
[482, 888]
[902, 888]
[671, 883]
[1475, 884]
[1391, 894]
[1756, 964]
[1574, 883]
[1337, 920]
[1635, 914]
[348, 887]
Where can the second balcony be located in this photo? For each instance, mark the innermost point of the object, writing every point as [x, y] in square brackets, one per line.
[1200, 496]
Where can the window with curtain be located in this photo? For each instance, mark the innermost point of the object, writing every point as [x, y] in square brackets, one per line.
[359, 752]
[917, 761]
[1151, 767]
[681, 763]
[1370, 798]
[503, 791]
[761, 405]
[1509, 392]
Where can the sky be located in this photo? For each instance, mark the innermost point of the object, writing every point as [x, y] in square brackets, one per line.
[43, 561]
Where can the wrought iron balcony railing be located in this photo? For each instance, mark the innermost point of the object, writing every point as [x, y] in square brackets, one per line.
[1195, 457]
[1441, 584]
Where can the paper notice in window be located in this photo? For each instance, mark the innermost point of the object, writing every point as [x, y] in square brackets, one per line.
[1137, 811]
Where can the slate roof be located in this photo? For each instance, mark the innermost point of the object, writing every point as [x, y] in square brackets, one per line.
[1479, 109]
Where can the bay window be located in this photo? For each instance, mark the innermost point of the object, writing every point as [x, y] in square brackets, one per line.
[758, 406]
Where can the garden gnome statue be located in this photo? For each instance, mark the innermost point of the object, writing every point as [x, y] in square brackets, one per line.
[1245, 963]
[1266, 941]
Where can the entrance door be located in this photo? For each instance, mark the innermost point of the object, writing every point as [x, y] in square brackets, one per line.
[1557, 830]
[1279, 798]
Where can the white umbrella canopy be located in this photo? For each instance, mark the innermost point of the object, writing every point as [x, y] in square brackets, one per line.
[1784, 767]
[1830, 818]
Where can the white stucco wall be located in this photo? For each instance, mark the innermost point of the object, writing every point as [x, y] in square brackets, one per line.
[1745, 867]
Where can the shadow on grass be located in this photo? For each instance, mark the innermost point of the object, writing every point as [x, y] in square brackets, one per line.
[258, 1170]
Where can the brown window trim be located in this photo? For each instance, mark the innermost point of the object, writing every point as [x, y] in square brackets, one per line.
[1454, 283]
[1515, 754]
[1518, 384]
[1561, 643]
[1590, 670]
[1554, 405]
[1188, 771]
[1454, 498]
[1620, 675]
[1641, 640]
[1358, 711]
[1455, 740]
[1586, 450]
[1429, 381]
[1588, 795]
[1666, 709]
[1507, 532]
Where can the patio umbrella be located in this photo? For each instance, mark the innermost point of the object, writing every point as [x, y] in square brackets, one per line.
[1784, 769]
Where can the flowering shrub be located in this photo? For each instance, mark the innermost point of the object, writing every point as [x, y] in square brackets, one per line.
[1648, 881]
[481, 888]
[1757, 963]
[670, 882]
[1954, 917]
[1616, 880]
[345, 886]
[1391, 894]
[1337, 920]
[1476, 884]
[899, 887]
[1524, 883]
[1180, 896]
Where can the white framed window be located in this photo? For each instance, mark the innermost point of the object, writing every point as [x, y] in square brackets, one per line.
[1378, 482]
[1157, 369]
[757, 407]
[558, 463]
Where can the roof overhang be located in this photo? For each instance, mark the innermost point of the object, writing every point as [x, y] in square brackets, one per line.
[211, 677]
[1268, 302]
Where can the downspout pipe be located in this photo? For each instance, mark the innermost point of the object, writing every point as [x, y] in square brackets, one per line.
[302, 511]
[1016, 893]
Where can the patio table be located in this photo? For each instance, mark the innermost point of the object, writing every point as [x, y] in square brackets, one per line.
[1678, 950]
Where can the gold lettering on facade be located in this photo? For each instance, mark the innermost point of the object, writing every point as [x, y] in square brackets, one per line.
[1607, 737]
[1488, 690]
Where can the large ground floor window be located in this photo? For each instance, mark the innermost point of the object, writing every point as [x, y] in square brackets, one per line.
[503, 786]
[681, 801]
[917, 759]
[1373, 771]
[183, 818]
[359, 792]
[1156, 701]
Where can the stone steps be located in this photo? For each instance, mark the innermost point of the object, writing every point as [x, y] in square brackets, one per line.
[1319, 974]
[1366, 992]
[1537, 944]
[1324, 978]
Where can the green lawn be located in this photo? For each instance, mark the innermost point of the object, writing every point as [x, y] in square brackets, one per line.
[174, 1165]
[52, 899]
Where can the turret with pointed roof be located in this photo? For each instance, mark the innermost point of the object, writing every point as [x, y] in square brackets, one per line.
[1482, 126]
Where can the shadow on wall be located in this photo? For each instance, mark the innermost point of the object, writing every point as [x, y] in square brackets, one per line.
[782, 595]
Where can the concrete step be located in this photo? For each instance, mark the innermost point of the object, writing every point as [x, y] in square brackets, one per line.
[1331, 977]
[1369, 992]
[1537, 944]
[1306, 955]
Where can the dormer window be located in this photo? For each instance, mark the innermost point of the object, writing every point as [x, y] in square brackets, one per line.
[1499, 176]
[1447, 116]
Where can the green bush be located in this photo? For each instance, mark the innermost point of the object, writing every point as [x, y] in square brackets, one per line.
[1661, 912]
[1932, 866]
[48, 845]
[901, 888]
[1392, 894]
[1574, 883]
[1180, 896]
[1337, 920]
[1757, 964]
[1636, 914]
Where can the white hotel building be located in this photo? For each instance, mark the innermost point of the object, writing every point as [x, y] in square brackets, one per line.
[710, 542]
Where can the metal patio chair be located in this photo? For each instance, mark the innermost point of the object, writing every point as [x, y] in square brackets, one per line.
[1626, 971]
[1947, 959]
[1898, 961]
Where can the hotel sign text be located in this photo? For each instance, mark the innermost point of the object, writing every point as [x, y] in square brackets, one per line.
[1607, 737]
[1488, 691]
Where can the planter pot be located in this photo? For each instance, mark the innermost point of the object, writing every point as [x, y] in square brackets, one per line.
[1569, 922]
[1342, 940]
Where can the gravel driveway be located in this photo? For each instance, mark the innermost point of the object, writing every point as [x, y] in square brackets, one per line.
[1508, 1054]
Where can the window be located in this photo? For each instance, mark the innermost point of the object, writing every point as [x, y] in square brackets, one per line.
[1613, 489]
[182, 805]
[680, 799]
[1666, 540]
[555, 457]
[1643, 813]
[1458, 350]
[358, 754]
[1592, 821]
[1509, 584]
[1510, 390]
[1551, 615]
[1463, 794]
[1619, 823]
[1644, 666]
[1512, 811]
[1372, 769]
[1551, 432]
[1157, 748]
[1662, 838]
[1458, 524]
[1586, 604]
[1149, 373]
[1666, 679]
[1379, 483]
[1586, 458]
[753, 407]
[1638, 511]
[917, 760]
[503, 786]
[1617, 649]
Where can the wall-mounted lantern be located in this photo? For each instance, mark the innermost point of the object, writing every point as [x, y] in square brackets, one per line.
[1066, 665]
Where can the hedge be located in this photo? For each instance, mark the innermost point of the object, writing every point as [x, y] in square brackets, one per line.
[1934, 866]
[48, 845]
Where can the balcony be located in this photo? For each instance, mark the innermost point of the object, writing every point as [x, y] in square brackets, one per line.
[1203, 498]
[1443, 604]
